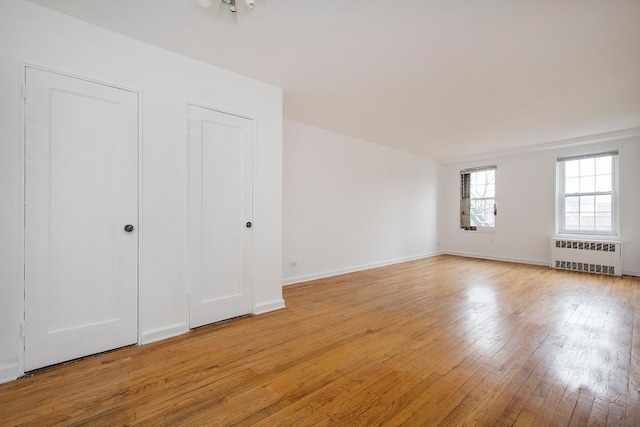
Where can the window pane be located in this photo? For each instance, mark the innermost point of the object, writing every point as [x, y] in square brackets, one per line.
[476, 191]
[481, 177]
[572, 168]
[481, 213]
[587, 167]
[587, 204]
[603, 203]
[571, 222]
[603, 222]
[603, 183]
[477, 217]
[572, 185]
[490, 218]
[587, 184]
[603, 165]
[483, 184]
[490, 190]
[572, 204]
[587, 221]
[477, 186]
[473, 213]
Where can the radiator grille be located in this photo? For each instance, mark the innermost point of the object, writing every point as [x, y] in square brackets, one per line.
[586, 246]
[587, 256]
[586, 267]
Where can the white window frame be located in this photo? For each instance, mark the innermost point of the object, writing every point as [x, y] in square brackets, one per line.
[561, 195]
[495, 198]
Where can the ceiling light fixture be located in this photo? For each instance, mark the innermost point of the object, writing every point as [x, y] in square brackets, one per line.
[228, 9]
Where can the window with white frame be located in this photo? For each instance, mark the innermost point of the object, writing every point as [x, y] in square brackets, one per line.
[587, 194]
[478, 198]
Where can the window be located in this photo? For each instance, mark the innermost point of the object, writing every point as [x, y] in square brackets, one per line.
[478, 198]
[587, 194]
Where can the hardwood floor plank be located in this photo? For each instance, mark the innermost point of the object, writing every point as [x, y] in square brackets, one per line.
[444, 340]
[633, 391]
[580, 415]
[599, 413]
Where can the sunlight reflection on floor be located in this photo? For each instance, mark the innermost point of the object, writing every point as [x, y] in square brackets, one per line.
[483, 316]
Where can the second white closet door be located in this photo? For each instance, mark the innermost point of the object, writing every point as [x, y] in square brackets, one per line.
[220, 216]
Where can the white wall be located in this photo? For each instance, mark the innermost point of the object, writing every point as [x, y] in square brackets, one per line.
[525, 195]
[350, 204]
[34, 35]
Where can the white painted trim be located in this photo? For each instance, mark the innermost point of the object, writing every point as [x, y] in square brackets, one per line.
[185, 242]
[80, 77]
[21, 230]
[139, 225]
[9, 372]
[564, 143]
[266, 307]
[631, 272]
[544, 263]
[625, 272]
[218, 109]
[163, 333]
[315, 276]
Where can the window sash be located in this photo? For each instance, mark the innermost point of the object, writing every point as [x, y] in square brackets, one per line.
[467, 199]
[588, 156]
[588, 193]
[478, 169]
[562, 214]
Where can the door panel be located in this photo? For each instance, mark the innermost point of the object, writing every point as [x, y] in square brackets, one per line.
[81, 189]
[220, 205]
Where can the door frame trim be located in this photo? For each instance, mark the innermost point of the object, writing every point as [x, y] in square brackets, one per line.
[254, 162]
[22, 199]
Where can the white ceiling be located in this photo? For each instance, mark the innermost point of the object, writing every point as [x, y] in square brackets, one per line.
[443, 78]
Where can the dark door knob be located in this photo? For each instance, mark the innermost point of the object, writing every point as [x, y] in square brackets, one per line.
[248, 224]
[128, 228]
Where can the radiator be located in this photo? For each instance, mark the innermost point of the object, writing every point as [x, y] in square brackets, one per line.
[590, 256]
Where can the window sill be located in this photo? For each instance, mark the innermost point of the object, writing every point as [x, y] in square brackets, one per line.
[576, 236]
[479, 230]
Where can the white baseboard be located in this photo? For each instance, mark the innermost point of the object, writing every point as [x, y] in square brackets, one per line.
[545, 263]
[9, 372]
[500, 258]
[316, 276]
[631, 272]
[625, 271]
[163, 333]
[266, 307]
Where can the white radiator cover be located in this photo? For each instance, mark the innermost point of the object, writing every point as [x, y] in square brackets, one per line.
[590, 256]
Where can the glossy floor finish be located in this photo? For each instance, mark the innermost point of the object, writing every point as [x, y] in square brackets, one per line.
[446, 340]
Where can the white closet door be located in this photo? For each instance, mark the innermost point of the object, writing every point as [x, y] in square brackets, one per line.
[81, 266]
[220, 216]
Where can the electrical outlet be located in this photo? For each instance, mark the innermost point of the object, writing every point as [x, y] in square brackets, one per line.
[293, 264]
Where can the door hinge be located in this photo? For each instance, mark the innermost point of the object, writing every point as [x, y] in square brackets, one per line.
[23, 332]
[188, 298]
[188, 122]
[23, 90]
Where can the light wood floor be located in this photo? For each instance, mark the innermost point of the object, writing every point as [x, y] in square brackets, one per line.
[446, 340]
